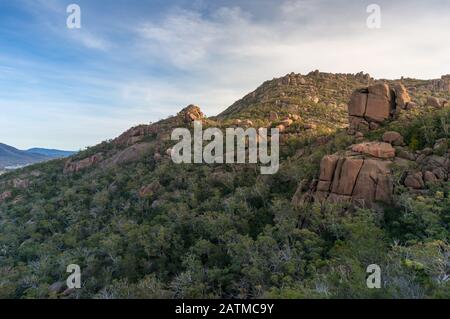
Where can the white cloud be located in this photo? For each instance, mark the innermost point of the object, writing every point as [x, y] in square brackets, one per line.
[235, 50]
[89, 40]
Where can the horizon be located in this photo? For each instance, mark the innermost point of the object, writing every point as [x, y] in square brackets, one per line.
[37, 147]
[136, 62]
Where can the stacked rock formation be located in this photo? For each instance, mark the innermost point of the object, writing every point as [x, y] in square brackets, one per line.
[371, 106]
[191, 113]
[361, 176]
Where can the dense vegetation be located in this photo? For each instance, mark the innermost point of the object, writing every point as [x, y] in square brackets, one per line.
[211, 231]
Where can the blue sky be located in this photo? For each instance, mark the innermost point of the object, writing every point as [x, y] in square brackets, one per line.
[139, 61]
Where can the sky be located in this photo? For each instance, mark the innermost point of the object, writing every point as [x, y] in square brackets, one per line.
[138, 61]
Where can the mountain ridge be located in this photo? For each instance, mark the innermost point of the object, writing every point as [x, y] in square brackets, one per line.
[141, 226]
[11, 156]
[50, 152]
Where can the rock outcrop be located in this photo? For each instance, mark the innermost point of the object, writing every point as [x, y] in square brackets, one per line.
[442, 84]
[130, 154]
[355, 179]
[393, 138]
[433, 101]
[75, 166]
[136, 134]
[363, 175]
[191, 113]
[402, 98]
[368, 107]
[292, 79]
[414, 180]
[5, 195]
[375, 149]
[21, 183]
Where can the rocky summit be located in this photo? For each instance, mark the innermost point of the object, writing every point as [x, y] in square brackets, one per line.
[363, 179]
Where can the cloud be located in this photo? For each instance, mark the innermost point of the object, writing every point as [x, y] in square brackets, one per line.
[233, 49]
[183, 38]
[89, 40]
[299, 35]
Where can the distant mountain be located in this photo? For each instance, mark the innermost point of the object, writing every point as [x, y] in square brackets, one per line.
[11, 156]
[50, 152]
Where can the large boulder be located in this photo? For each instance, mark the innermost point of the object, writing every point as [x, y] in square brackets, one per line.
[415, 181]
[374, 183]
[433, 101]
[373, 105]
[363, 176]
[402, 98]
[358, 123]
[379, 103]
[358, 103]
[347, 170]
[429, 177]
[136, 134]
[354, 179]
[393, 138]
[327, 167]
[375, 149]
[191, 113]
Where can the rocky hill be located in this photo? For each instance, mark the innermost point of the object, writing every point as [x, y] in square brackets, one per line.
[364, 179]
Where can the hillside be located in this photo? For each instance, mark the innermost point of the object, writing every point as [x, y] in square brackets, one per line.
[298, 93]
[364, 179]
